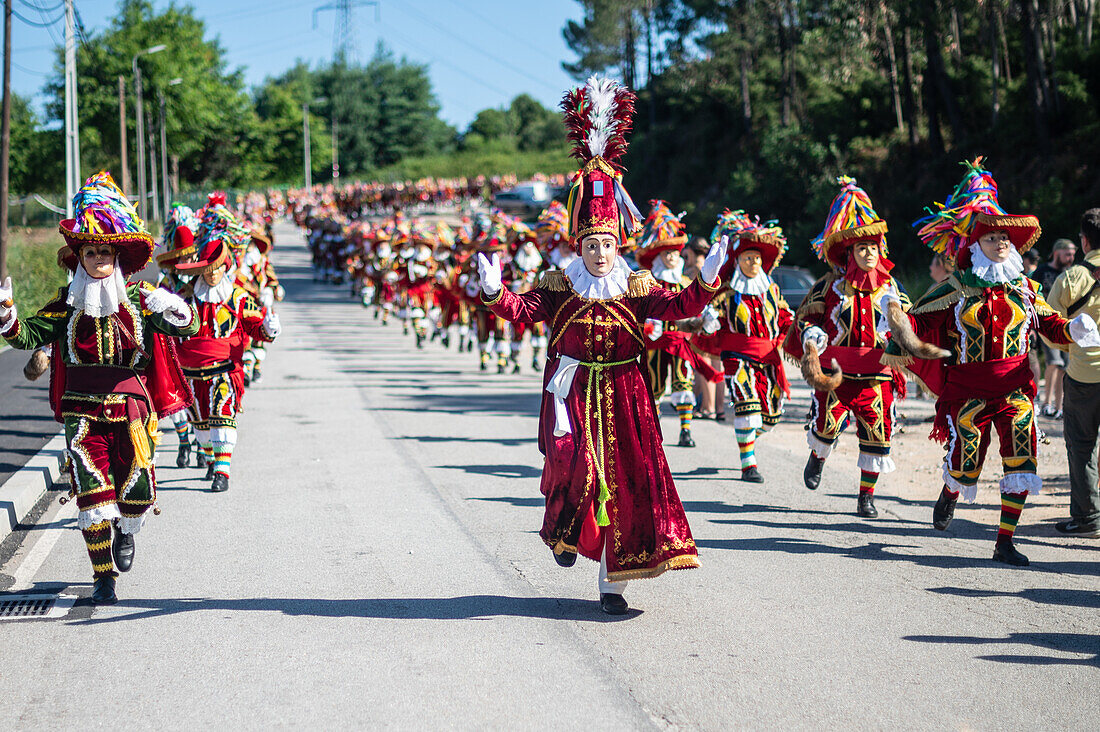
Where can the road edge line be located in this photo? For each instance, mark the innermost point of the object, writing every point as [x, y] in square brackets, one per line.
[20, 492]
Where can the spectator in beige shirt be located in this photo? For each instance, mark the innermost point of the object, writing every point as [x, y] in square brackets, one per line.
[1076, 291]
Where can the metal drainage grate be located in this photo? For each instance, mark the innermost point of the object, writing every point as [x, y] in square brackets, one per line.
[24, 607]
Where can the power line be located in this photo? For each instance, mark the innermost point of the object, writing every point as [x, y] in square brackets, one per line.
[419, 49]
[25, 70]
[503, 62]
[509, 32]
[36, 6]
[35, 23]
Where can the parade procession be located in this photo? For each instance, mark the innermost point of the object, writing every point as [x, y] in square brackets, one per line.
[422, 435]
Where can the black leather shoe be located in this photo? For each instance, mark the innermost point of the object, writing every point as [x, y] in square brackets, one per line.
[122, 549]
[866, 506]
[613, 604]
[685, 439]
[103, 592]
[220, 484]
[1005, 552]
[944, 510]
[209, 471]
[811, 475]
[751, 475]
[183, 456]
[200, 457]
[565, 559]
[515, 367]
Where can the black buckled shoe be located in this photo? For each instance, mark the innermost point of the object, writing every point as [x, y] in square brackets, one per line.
[866, 506]
[613, 604]
[122, 549]
[220, 484]
[751, 475]
[686, 439]
[565, 559]
[1006, 553]
[103, 591]
[944, 510]
[811, 475]
[209, 471]
[184, 455]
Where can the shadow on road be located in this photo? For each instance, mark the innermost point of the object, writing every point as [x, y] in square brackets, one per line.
[499, 471]
[1042, 595]
[466, 607]
[1062, 642]
[523, 502]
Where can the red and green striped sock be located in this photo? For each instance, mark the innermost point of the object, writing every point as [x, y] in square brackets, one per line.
[746, 444]
[1012, 505]
[684, 412]
[867, 481]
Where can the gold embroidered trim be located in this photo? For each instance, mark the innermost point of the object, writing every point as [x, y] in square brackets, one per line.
[554, 280]
[496, 298]
[708, 288]
[684, 561]
[638, 284]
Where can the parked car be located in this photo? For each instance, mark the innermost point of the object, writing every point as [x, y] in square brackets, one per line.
[794, 283]
[525, 199]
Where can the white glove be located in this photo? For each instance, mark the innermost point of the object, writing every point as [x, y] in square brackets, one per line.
[5, 297]
[272, 326]
[1082, 330]
[489, 273]
[267, 297]
[716, 257]
[658, 328]
[711, 322]
[817, 337]
[176, 311]
[280, 293]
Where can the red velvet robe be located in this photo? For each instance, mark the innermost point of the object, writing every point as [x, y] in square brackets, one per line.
[648, 531]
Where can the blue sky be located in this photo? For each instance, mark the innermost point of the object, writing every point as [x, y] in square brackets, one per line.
[480, 53]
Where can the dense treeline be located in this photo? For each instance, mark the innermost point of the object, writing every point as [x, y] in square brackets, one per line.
[223, 134]
[759, 104]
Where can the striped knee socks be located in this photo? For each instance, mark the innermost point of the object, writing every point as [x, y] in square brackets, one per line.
[746, 444]
[867, 481]
[183, 427]
[223, 453]
[98, 539]
[1012, 505]
[684, 412]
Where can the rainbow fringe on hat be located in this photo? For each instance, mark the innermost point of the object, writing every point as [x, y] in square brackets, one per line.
[661, 226]
[178, 216]
[216, 221]
[100, 207]
[946, 229]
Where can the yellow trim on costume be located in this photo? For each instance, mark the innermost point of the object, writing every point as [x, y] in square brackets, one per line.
[684, 561]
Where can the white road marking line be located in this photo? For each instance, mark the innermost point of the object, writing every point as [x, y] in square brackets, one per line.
[36, 557]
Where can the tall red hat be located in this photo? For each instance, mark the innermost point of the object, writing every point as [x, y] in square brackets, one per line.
[215, 253]
[598, 116]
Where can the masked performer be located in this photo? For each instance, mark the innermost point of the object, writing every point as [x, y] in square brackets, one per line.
[213, 359]
[968, 338]
[609, 493]
[838, 321]
[113, 370]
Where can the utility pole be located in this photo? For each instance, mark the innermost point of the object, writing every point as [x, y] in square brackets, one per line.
[335, 159]
[307, 163]
[154, 212]
[141, 126]
[72, 124]
[122, 133]
[343, 30]
[5, 142]
[164, 158]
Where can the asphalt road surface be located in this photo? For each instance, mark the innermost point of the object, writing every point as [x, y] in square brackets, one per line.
[376, 563]
[26, 423]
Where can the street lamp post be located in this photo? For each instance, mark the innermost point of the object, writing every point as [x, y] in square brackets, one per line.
[164, 149]
[141, 124]
[307, 155]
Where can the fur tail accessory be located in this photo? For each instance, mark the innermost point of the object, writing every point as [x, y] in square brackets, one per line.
[902, 331]
[814, 375]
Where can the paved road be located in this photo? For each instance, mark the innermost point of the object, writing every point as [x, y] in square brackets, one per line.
[26, 423]
[376, 563]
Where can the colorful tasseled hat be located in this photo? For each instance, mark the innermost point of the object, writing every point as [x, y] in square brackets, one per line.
[219, 234]
[420, 233]
[661, 232]
[971, 211]
[520, 234]
[445, 235]
[552, 226]
[179, 235]
[851, 219]
[103, 215]
[598, 117]
[746, 234]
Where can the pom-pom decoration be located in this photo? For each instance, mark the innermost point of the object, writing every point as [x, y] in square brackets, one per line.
[851, 218]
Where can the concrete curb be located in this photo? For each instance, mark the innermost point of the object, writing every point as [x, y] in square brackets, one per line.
[21, 492]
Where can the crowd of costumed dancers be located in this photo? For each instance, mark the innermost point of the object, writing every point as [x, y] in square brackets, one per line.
[124, 353]
[621, 313]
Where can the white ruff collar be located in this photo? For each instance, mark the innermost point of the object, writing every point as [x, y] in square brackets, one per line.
[561, 261]
[757, 285]
[590, 287]
[220, 293]
[996, 272]
[98, 298]
[663, 273]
